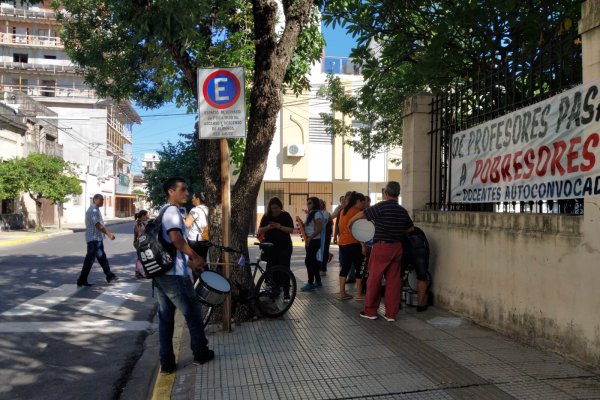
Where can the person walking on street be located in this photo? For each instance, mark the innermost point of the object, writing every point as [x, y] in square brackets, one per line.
[391, 224]
[175, 289]
[94, 236]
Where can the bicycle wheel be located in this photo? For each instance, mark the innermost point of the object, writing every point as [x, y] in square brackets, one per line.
[275, 291]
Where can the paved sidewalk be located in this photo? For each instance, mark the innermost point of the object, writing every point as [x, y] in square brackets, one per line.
[322, 349]
[15, 238]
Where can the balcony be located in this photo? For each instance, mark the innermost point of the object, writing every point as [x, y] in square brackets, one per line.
[339, 66]
[30, 40]
[36, 91]
[46, 68]
[8, 10]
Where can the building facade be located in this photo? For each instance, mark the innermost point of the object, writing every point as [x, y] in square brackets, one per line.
[304, 160]
[93, 132]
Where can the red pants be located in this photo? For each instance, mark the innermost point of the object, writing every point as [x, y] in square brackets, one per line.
[384, 261]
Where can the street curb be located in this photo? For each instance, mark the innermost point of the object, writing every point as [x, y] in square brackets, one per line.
[28, 239]
[163, 384]
[41, 236]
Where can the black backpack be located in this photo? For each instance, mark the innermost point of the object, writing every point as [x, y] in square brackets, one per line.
[156, 254]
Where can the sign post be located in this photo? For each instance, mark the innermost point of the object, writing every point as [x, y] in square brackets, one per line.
[222, 115]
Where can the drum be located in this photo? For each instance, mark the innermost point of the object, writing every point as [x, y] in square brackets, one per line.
[212, 288]
[363, 230]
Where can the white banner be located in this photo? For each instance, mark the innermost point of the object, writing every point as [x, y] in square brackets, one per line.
[547, 151]
[221, 103]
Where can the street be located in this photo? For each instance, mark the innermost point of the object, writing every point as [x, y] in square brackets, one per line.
[59, 341]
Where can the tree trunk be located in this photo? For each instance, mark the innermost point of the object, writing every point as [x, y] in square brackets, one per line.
[272, 57]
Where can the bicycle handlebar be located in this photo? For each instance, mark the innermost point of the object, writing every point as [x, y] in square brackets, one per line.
[226, 249]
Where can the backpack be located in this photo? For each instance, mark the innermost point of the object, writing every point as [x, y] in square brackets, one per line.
[156, 254]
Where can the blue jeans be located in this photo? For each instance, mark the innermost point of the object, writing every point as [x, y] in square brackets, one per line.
[177, 292]
[95, 250]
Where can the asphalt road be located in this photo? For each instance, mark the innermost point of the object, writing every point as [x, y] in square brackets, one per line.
[58, 341]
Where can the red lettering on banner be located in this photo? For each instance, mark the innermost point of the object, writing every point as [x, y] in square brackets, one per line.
[517, 164]
[542, 166]
[485, 171]
[478, 166]
[506, 177]
[592, 141]
[559, 149]
[558, 158]
[494, 173]
[529, 157]
[573, 154]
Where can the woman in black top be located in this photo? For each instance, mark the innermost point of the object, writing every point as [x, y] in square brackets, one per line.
[277, 225]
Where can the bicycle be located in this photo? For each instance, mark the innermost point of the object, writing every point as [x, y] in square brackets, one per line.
[272, 291]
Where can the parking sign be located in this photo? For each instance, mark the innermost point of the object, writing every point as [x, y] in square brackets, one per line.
[221, 103]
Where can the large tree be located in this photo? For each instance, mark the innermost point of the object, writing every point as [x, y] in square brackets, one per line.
[149, 51]
[42, 177]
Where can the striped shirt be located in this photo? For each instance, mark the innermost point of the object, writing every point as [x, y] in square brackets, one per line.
[93, 216]
[391, 221]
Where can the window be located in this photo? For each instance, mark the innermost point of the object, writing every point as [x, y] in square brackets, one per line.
[8, 206]
[48, 88]
[47, 57]
[20, 84]
[76, 199]
[22, 58]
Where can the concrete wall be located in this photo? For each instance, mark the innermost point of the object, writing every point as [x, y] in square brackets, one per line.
[533, 276]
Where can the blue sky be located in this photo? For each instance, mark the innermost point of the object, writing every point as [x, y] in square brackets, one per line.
[165, 123]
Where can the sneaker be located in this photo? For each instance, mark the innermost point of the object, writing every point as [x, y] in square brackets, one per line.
[388, 319]
[112, 278]
[318, 284]
[362, 314]
[203, 357]
[80, 284]
[166, 369]
[309, 287]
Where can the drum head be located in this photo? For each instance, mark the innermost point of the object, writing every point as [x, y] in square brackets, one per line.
[363, 230]
[215, 281]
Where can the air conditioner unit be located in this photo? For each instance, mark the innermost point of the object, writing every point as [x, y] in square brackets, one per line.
[295, 150]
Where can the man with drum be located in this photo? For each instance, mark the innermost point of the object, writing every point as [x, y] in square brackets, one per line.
[391, 222]
[175, 288]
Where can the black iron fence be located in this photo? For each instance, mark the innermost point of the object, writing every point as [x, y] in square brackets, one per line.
[517, 82]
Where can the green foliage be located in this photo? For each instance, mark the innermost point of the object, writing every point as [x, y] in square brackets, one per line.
[12, 179]
[377, 124]
[404, 47]
[179, 159]
[41, 176]
[138, 191]
[149, 51]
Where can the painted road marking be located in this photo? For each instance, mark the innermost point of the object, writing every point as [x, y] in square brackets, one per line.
[43, 303]
[99, 326]
[111, 299]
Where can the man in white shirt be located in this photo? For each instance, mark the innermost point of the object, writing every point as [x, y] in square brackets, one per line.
[175, 288]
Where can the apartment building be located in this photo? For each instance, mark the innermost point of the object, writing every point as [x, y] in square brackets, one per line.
[306, 161]
[94, 133]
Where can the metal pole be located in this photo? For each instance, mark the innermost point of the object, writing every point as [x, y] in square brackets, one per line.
[226, 213]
